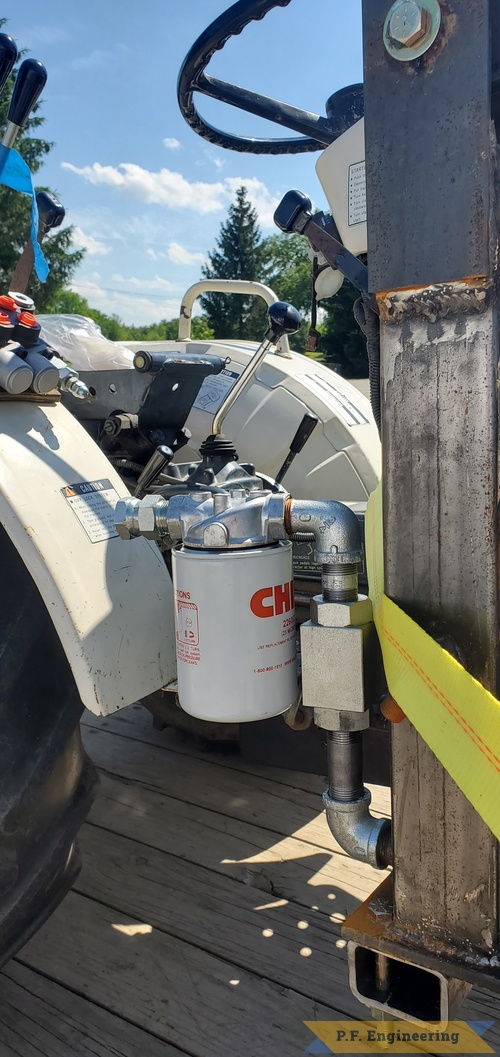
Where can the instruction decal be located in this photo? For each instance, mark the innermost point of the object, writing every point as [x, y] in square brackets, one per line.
[188, 632]
[93, 503]
[357, 193]
[214, 389]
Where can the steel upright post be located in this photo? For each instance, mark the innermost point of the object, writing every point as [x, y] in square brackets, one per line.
[431, 166]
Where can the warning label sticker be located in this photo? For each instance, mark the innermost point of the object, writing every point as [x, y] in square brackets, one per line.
[188, 632]
[357, 193]
[214, 390]
[93, 503]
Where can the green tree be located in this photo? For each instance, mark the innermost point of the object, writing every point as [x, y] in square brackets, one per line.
[238, 255]
[287, 269]
[68, 302]
[166, 330]
[342, 344]
[62, 261]
[15, 215]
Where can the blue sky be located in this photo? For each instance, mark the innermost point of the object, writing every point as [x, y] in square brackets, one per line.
[146, 195]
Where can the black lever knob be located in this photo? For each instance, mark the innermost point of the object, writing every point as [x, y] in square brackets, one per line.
[153, 468]
[8, 56]
[283, 319]
[51, 213]
[288, 215]
[309, 422]
[30, 80]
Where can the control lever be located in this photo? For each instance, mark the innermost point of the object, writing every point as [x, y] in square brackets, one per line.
[30, 81]
[50, 211]
[153, 468]
[309, 422]
[8, 56]
[50, 215]
[294, 215]
[283, 319]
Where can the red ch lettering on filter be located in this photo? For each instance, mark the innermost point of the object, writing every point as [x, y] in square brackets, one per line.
[273, 601]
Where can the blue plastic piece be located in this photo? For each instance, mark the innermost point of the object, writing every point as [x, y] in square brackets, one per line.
[15, 173]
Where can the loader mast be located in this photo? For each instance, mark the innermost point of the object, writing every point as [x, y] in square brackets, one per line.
[432, 207]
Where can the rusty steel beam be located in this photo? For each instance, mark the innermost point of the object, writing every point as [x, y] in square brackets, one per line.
[432, 234]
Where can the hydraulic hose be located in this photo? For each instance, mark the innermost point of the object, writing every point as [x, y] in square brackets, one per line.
[369, 322]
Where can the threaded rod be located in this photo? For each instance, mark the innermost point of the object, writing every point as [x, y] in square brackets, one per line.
[345, 765]
[339, 582]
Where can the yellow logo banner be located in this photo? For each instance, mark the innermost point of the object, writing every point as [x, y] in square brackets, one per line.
[397, 1036]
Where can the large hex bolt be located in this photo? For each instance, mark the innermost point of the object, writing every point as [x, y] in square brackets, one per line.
[409, 24]
[411, 27]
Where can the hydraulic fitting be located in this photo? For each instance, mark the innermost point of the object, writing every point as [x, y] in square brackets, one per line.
[335, 528]
[333, 667]
[347, 803]
[361, 836]
[336, 652]
[69, 381]
[336, 645]
[341, 614]
[207, 520]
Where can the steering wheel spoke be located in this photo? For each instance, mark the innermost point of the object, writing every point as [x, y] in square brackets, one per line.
[299, 120]
[316, 132]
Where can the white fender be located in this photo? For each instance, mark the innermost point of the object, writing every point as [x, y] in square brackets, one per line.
[111, 602]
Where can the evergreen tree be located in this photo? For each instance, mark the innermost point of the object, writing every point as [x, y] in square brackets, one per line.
[15, 215]
[238, 255]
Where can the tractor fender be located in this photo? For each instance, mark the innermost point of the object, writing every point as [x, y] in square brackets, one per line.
[111, 602]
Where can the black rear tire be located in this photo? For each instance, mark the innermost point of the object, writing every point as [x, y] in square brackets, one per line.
[46, 780]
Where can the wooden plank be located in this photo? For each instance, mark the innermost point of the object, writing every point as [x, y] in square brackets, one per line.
[135, 722]
[259, 801]
[483, 1006]
[283, 867]
[270, 937]
[181, 994]
[39, 1018]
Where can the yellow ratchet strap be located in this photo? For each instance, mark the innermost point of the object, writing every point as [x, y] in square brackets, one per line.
[452, 712]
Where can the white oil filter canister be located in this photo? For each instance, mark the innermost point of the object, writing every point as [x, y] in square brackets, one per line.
[235, 632]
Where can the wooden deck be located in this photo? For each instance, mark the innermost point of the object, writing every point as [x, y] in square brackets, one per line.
[206, 919]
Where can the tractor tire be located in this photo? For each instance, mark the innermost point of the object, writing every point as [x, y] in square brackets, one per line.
[46, 780]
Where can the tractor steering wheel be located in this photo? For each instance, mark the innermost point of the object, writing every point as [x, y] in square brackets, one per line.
[343, 109]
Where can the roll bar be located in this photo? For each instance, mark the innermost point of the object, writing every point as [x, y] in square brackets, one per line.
[225, 286]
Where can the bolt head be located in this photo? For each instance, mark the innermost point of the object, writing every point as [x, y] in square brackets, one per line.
[125, 518]
[146, 516]
[409, 24]
[380, 909]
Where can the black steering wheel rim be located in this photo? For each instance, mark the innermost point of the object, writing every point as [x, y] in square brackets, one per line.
[319, 131]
